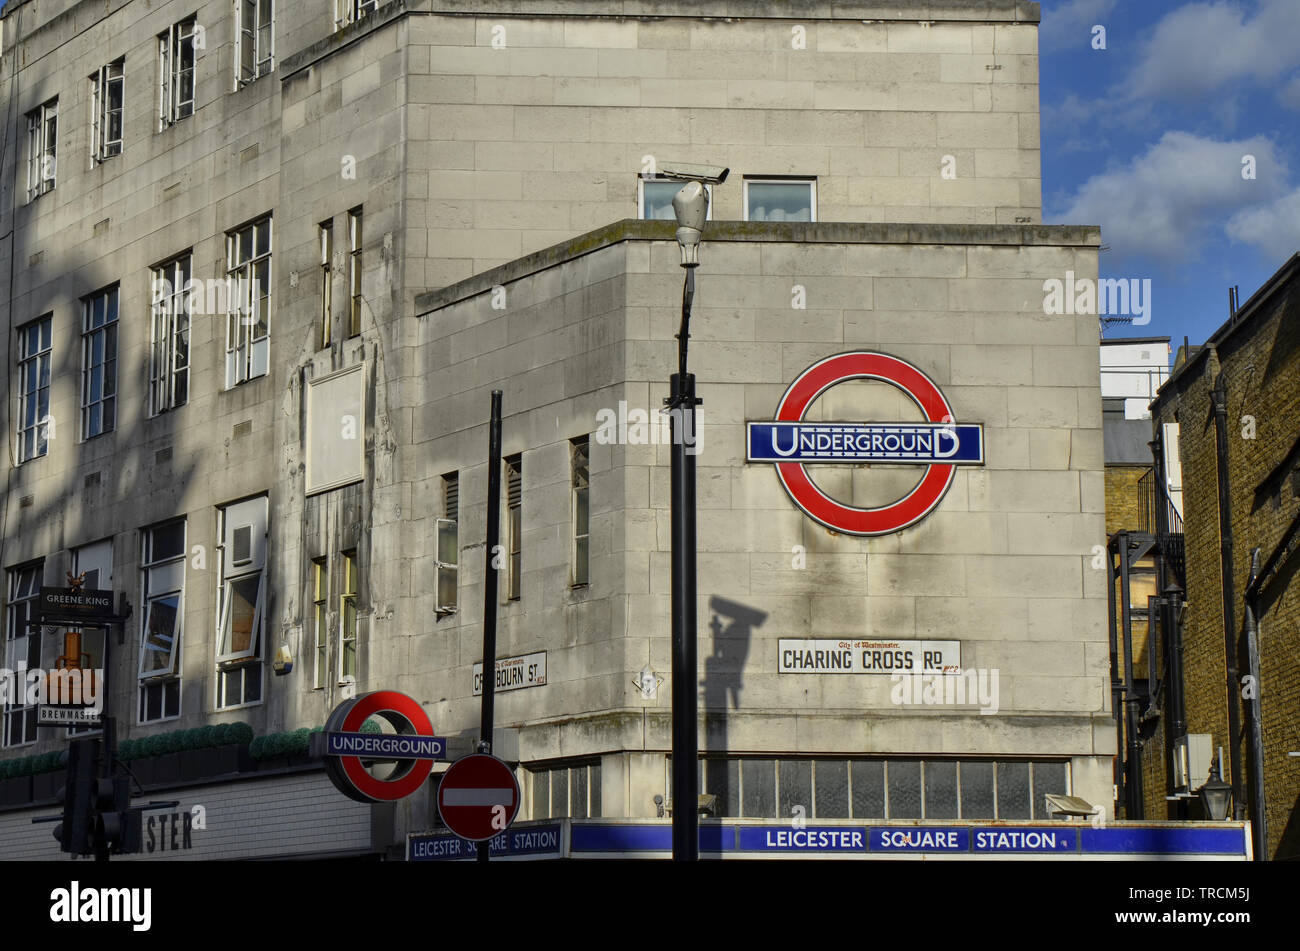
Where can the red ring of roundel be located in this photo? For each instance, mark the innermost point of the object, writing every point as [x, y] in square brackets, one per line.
[849, 519]
[384, 790]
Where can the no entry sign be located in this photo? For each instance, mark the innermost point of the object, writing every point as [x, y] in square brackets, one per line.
[478, 797]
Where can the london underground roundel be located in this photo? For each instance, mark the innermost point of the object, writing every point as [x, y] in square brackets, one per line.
[938, 443]
[413, 747]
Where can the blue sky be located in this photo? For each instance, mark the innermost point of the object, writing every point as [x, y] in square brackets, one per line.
[1146, 138]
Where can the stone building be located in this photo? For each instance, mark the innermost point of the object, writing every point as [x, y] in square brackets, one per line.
[1254, 360]
[267, 264]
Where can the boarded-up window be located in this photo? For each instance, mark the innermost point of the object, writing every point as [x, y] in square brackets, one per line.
[336, 430]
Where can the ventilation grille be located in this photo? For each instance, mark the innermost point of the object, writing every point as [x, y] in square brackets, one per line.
[241, 547]
[92, 479]
[450, 496]
[162, 455]
[514, 481]
[242, 429]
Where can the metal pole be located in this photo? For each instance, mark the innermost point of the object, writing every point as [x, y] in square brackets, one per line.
[1133, 806]
[1257, 805]
[1220, 396]
[490, 589]
[682, 403]
[1116, 686]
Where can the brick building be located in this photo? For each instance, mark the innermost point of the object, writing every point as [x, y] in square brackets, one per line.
[1255, 357]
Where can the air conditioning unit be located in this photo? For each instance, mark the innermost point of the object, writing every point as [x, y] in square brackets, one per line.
[1192, 756]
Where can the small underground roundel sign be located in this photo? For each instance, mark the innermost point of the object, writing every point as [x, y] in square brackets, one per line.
[937, 442]
[347, 750]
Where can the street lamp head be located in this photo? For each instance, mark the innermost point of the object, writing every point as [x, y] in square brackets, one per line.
[691, 206]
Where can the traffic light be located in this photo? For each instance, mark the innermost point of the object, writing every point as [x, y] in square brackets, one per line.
[75, 832]
[117, 825]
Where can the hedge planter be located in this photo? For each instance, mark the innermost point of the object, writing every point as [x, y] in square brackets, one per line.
[221, 760]
[16, 791]
[166, 769]
[47, 785]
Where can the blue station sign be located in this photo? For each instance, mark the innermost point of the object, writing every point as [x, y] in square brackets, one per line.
[898, 444]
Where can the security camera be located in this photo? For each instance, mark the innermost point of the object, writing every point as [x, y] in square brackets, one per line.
[686, 172]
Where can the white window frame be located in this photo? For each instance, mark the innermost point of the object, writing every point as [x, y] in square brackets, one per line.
[640, 196]
[34, 363]
[105, 79]
[350, 11]
[325, 233]
[108, 367]
[248, 354]
[810, 181]
[249, 662]
[450, 522]
[355, 237]
[255, 32]
[160, 678]
[348, 593]
[320, 604]
[514, 533]
[42, 149]
[169, 365]
[171, 57]
[22, 590]
[580, 555]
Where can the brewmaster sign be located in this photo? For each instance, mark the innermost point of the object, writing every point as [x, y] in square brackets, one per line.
[938, 443]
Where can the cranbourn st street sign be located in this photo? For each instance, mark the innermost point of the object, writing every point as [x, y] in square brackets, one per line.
[938, 442]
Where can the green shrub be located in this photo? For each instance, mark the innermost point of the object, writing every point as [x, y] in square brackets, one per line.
[257, 748]
[240, 733]
[205, 738]
[299, 741]
[126, 750]
[371, 726]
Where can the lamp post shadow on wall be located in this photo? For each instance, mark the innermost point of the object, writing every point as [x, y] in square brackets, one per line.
[691, 206]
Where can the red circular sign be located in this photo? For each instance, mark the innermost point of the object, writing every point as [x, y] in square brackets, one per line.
[848, 519]
[406, 716]
[478, 797]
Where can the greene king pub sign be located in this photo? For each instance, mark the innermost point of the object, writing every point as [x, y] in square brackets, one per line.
[937, 442]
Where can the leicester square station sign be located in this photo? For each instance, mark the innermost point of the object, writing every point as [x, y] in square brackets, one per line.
[937, 442]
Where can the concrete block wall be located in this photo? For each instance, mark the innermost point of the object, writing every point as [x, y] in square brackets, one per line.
[534, 130]
[1003, 564]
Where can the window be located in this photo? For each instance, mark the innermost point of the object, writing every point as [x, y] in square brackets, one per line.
[22, 647]
[99, 363]
[655, 199]
[448, 545]
[756, 788]
[780, 199]
[354, 271]
[514, 523]
[169, 353]
[320, 619]
[581, 490]
[326, 234]
[176, 73]
[241, 614]
[566, 792]
[42, 137]
[34, 349]
[162, 575]
[106, 87]
[349, 11]
[255, 40]
[248, 292]
[348, 620]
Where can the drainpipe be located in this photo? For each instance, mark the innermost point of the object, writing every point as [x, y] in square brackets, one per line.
[1256, 722]
[1133, 806]
[1116, 688]
[1220, 397]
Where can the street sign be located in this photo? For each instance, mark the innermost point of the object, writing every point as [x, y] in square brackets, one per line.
[478, 797]
[413, 746]
[515, 673]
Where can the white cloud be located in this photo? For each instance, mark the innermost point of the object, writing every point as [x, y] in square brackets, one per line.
[1070, 23]
[1273, 228]
[1165, 202]
[1201, 47]
[1289, 95]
